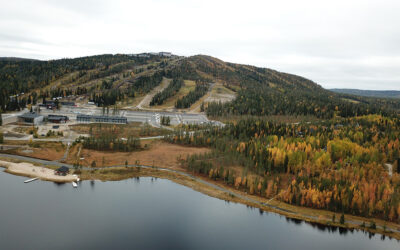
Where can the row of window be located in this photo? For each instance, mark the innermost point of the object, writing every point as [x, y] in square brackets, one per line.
[95, 119]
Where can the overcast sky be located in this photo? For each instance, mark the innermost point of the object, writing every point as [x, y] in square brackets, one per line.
[338, 44]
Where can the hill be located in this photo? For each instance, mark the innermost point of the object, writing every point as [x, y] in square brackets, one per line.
[262, 91]
[110, 79]
[369, 93]
[16, 59]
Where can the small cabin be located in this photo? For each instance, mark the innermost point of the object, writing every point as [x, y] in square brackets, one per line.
[30, 117]
[62, 171]
[57, 118]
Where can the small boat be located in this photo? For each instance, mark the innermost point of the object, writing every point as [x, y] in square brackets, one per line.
[74, 184]
[30, 180]
[77, 178]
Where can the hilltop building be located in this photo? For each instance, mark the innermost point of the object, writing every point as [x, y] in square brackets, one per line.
[147, 55]
[166, 54]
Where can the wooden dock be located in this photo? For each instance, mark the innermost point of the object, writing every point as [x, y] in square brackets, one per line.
[30, 180]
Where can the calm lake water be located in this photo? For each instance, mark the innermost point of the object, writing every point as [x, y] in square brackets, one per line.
[151, 214]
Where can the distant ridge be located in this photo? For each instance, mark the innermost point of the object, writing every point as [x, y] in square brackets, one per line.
[369, 93]
[16, 59]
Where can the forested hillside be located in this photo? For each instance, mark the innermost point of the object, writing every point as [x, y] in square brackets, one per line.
[338, 165]
[267, 92]
[108, 79]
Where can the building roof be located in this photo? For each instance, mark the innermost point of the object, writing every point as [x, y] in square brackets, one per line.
[57, 117]
[29, 115]
[100, 117]
[63, 169]
[67, 103]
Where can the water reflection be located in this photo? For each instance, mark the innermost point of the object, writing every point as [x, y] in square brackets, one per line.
[320, 227]
[59, 184]
[294, 220]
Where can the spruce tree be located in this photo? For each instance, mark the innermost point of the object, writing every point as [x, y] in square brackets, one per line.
[342, 219]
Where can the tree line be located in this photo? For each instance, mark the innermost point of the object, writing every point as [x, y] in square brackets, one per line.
[192, 96]
[106, 138]
[168, 92]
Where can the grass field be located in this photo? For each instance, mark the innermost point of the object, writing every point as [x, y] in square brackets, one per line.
[218, 93]
[38, 149]
[220, 89]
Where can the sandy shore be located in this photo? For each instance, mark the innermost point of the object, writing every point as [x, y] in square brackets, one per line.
[30, 170]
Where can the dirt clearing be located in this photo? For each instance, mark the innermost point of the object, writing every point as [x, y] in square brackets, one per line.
[160, 154]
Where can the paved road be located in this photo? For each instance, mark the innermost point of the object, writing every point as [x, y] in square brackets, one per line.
[35, 160]
[27, 138]
[68, 140]
[246, 198]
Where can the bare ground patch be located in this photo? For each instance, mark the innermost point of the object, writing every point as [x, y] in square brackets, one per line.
[145, 102]
[51, 151]
[158, 154]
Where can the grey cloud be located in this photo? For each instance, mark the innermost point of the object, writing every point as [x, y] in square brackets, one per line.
[343, 44]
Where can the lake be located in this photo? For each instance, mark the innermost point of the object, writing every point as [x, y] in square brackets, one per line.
[149, 213]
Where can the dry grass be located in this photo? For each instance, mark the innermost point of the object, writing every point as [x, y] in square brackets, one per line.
[22, 129]
[350, 100]
[158, 154]
[42, 150]
[220, 89]
[135, 129]
[130, 103]
[218, 93]
[12, 142]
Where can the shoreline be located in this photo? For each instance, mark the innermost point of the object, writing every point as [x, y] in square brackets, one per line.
[223, 192]
[29, 170]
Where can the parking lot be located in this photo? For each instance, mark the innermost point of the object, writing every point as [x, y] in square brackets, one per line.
[150, 117]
